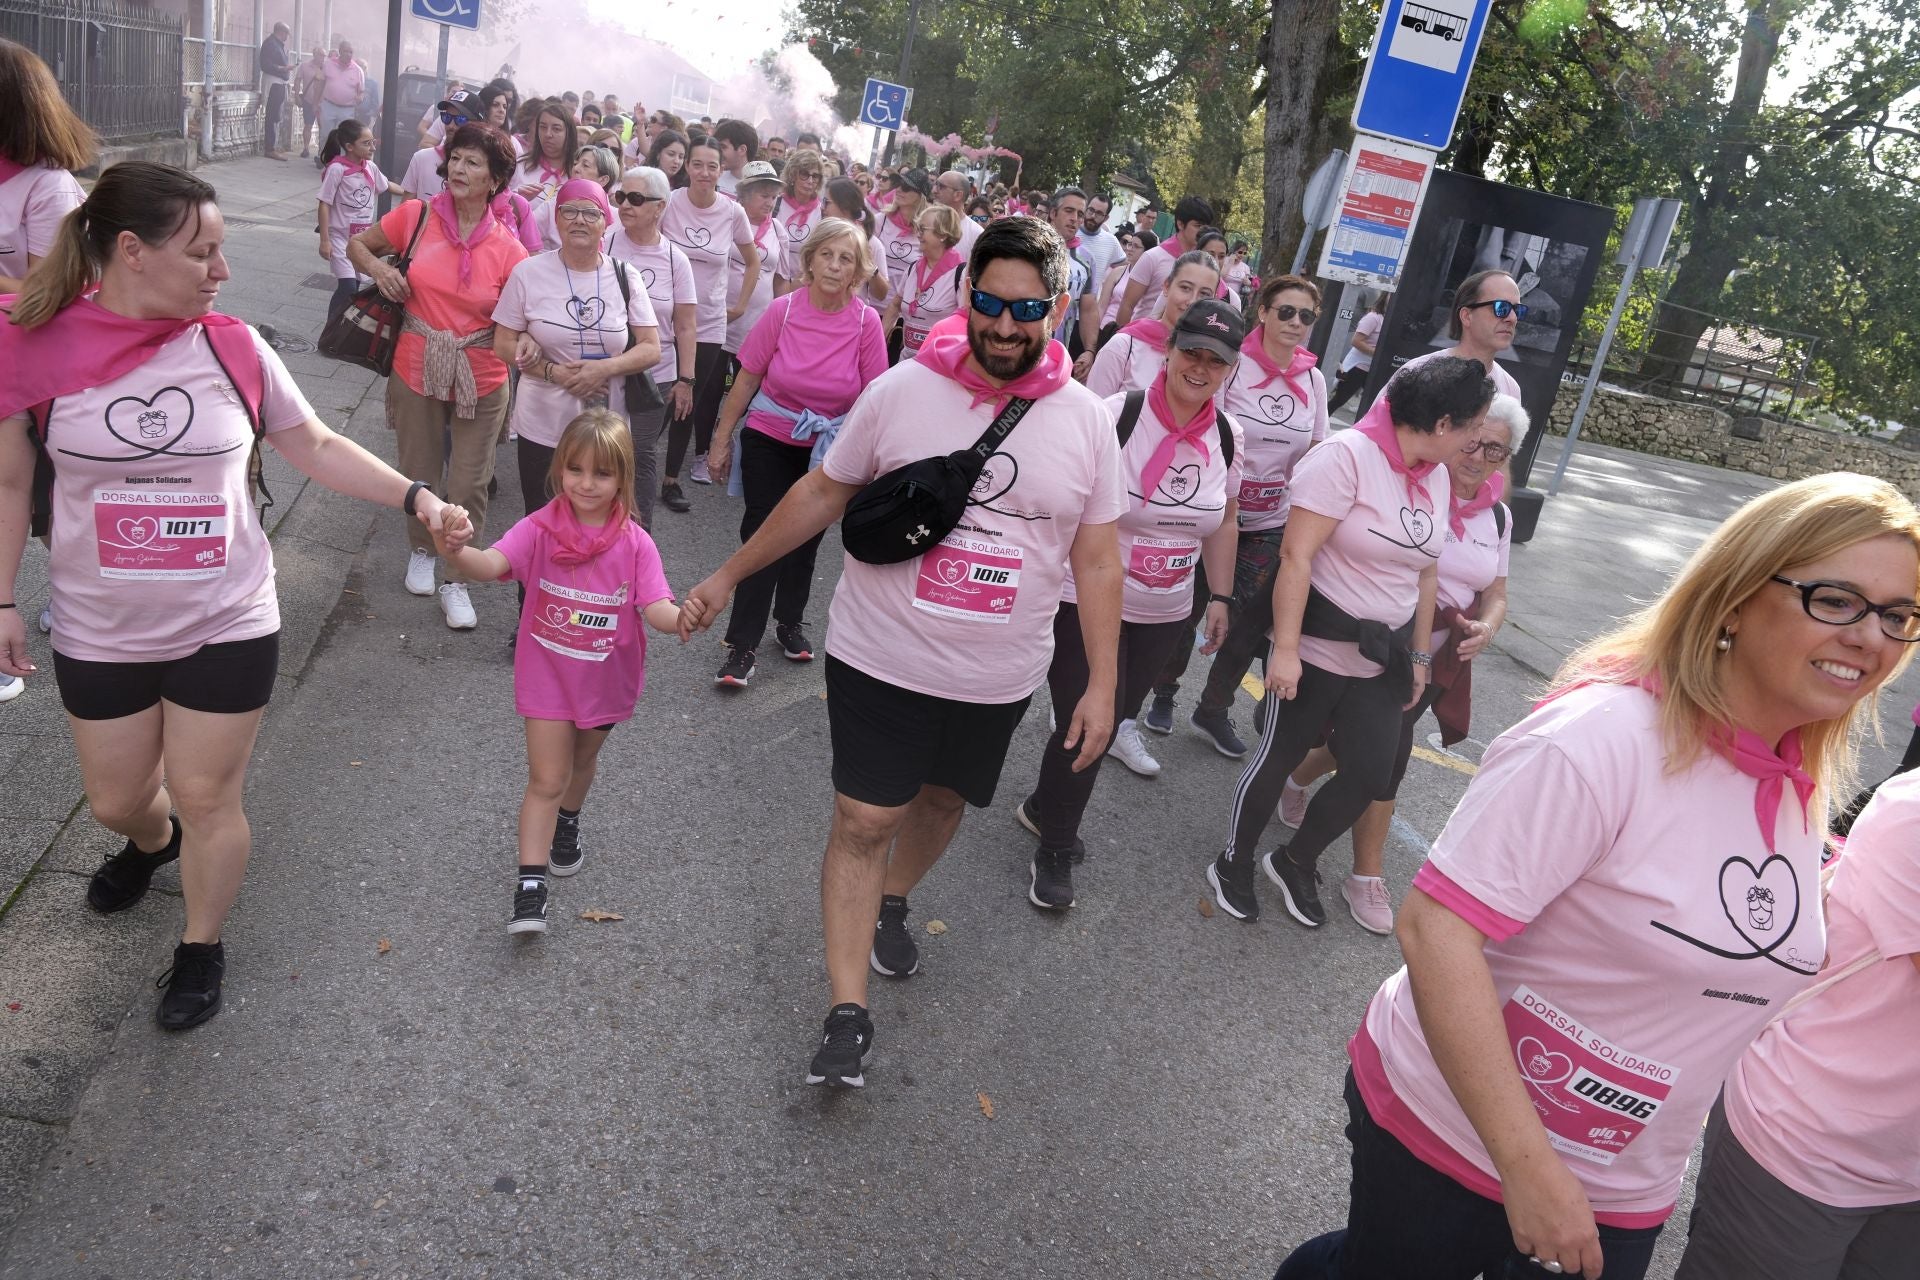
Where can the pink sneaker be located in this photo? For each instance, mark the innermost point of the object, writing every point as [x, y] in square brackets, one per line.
[1369, 903]
[1293, 804]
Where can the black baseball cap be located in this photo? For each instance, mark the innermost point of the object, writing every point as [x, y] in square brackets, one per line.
[916, 180]
[462, 103]
[1211, 325]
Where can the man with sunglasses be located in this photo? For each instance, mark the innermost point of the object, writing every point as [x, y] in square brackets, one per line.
[932, 661]
[952, 189]
[1487, 312]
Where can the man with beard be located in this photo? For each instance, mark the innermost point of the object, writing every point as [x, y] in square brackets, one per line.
[931, 662]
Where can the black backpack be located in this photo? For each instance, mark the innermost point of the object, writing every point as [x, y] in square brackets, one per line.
[1130, 415]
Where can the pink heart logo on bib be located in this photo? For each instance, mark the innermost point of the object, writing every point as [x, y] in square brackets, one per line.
[559, 615]
[951, 571]
[138, 533]
[1154, 564]
[1539, 1064]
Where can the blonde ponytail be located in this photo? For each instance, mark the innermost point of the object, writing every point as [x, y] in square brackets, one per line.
[60, 277]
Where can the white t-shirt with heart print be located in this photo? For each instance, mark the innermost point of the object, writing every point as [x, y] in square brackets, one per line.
[1371, 564]
[1280, 429]
[573, 315]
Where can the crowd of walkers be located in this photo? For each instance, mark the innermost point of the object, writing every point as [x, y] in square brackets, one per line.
[1063, 457]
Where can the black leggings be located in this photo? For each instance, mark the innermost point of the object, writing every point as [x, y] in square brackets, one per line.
[1345, 384]
[1409, 720]
[1256, 563]
[343, 291]
[711, 374]
[1364, 715]
[767, 470]
[1060, 797]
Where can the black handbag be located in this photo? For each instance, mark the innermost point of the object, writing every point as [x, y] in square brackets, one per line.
[643, 394]
[903, 513]
[367, 331]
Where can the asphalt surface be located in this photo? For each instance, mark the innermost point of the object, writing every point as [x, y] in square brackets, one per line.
[397, 1088]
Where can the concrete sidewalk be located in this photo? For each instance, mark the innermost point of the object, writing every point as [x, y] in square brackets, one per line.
[396, 1089]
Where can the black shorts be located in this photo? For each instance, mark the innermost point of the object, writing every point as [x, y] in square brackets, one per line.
[231, 678]
[888, 742]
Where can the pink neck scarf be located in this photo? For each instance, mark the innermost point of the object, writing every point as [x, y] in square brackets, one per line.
[575, 543]
[10, 169]
[945, 351]
[900, 220]
[925, 273]
[1303, 360]
[1074, 243]
[442, 207]
[1194, 433]
[351, 166]
[1153, 331]
[550, 173]
[797, 214]
[1460, 512]
[84, 345]
[1171, 246]
[1377, 426]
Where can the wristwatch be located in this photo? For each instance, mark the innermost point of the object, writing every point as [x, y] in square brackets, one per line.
[1421, 659]
[677, 381]
[413, 493]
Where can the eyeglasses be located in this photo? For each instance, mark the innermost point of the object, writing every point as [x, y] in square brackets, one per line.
[635, 198]
[1283, 314]
[1839, 606]
[1025, 310]
[453, 121]
[1489, 452]
[579, 212]
[1502, 308]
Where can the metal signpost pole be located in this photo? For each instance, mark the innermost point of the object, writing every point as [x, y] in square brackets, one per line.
[440, 62]
[390, 113]
[906, 59]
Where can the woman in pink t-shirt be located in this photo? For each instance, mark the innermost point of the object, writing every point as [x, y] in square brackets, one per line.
[1352, 619]
[1111, 287]
[1627, 894]
[149, 410]
[803, 366]
[1812, 1162]
[801, 205]
[1469, 607]
[933, 286]
[899, 234]
[591, 576]
[1133, 357]
[348, 190]
[556, 145]
[663, 267]
[843, 201]
[447, 383]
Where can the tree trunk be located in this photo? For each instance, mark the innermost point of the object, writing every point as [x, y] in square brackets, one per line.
[1093, 177]
[1303, 70]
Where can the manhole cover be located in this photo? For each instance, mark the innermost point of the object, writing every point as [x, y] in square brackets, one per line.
[318, 280]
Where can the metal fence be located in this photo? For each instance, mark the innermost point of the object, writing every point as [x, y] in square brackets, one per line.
[1746, 369]
[235, 65]
[117, 63]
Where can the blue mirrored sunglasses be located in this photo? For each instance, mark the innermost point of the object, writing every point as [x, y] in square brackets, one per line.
[1025, 310]
[1502, 308]
[453, 121]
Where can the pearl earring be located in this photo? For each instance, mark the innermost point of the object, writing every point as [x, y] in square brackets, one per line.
[1725, 642]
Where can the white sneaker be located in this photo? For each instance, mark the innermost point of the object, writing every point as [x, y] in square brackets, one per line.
[11, 687]
[46, 620]
[1131, 751]
[1293, 803]
[459, 609]
[420, 571]
[1369, 903]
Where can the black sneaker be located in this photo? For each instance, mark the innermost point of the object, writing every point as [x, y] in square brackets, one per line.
[192, 985]
[1232, 884]
[1031, 821]
[1217, 727]
[844, 1047]
[566, 855]
[529, 908]
[794, 642]
[673, 499]
[1159, 717]
[895, 954]
[736, 670]
[1299, 886]
[1051, 887]
[122, 879]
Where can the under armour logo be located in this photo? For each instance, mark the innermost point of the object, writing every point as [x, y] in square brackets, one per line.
[913, 539]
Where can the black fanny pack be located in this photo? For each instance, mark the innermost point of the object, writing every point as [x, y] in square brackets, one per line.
[1391, 647]
[901, 514]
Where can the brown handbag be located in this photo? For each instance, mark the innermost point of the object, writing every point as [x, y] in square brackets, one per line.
[366, 332]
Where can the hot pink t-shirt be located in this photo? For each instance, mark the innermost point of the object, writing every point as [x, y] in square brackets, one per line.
[1827, 1099]
[1124, 364]
[972, 620]
[574, 316]
[812, 359]
[582, 652]
[766, 242]
[706, 236]
[1640, 935]
[1469, 566]
[441, 300]
[1160, 538]
[900, 250]
[157, 547]
[1280, 429]
[1371, 564]
[668, 276]
[33, 203]
[349, 196]
[1152, 269]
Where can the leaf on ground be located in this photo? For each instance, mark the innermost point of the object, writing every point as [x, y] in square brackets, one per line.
[598, 916]
[986, 1105]
[381, 1203]
[383, 947]
[1206, 907]
[14, 1006]
[936, 926]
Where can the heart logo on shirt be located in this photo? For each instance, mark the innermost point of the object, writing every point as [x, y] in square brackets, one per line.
[1762, 903]
[1154, 564]
[586, 312]
[951, 571]
[1541, 1065]
[356, 196]
[995, 479]
[151, 426]
[1418, 524]
[559, 615]
[138, 533]
[646, 278]
[902, 250]
[1180, 483]
[698, 237]
[1277, 409]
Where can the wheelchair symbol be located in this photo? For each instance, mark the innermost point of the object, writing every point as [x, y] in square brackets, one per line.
[882, 108]
[444, 8]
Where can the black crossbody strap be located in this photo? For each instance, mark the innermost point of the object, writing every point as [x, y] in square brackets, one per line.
[1129, 416]
[626, 299]
[1001, 427]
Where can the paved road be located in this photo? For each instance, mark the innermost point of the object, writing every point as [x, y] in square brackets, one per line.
[397, 1089]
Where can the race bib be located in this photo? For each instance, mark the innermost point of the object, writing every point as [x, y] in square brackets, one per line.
[576, 624]
[1163, 564]
[1258, 497]
[144, 534]
[970, 579]
[1593, 1096]
[912, 335]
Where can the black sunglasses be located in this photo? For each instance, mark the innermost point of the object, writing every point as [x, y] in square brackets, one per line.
[1285, 313]
[1839, 606]
[1502, 308]
[1025, 310]
[634, 198]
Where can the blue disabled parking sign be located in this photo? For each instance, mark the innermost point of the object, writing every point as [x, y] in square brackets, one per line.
[453, 13]
[882, 105]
